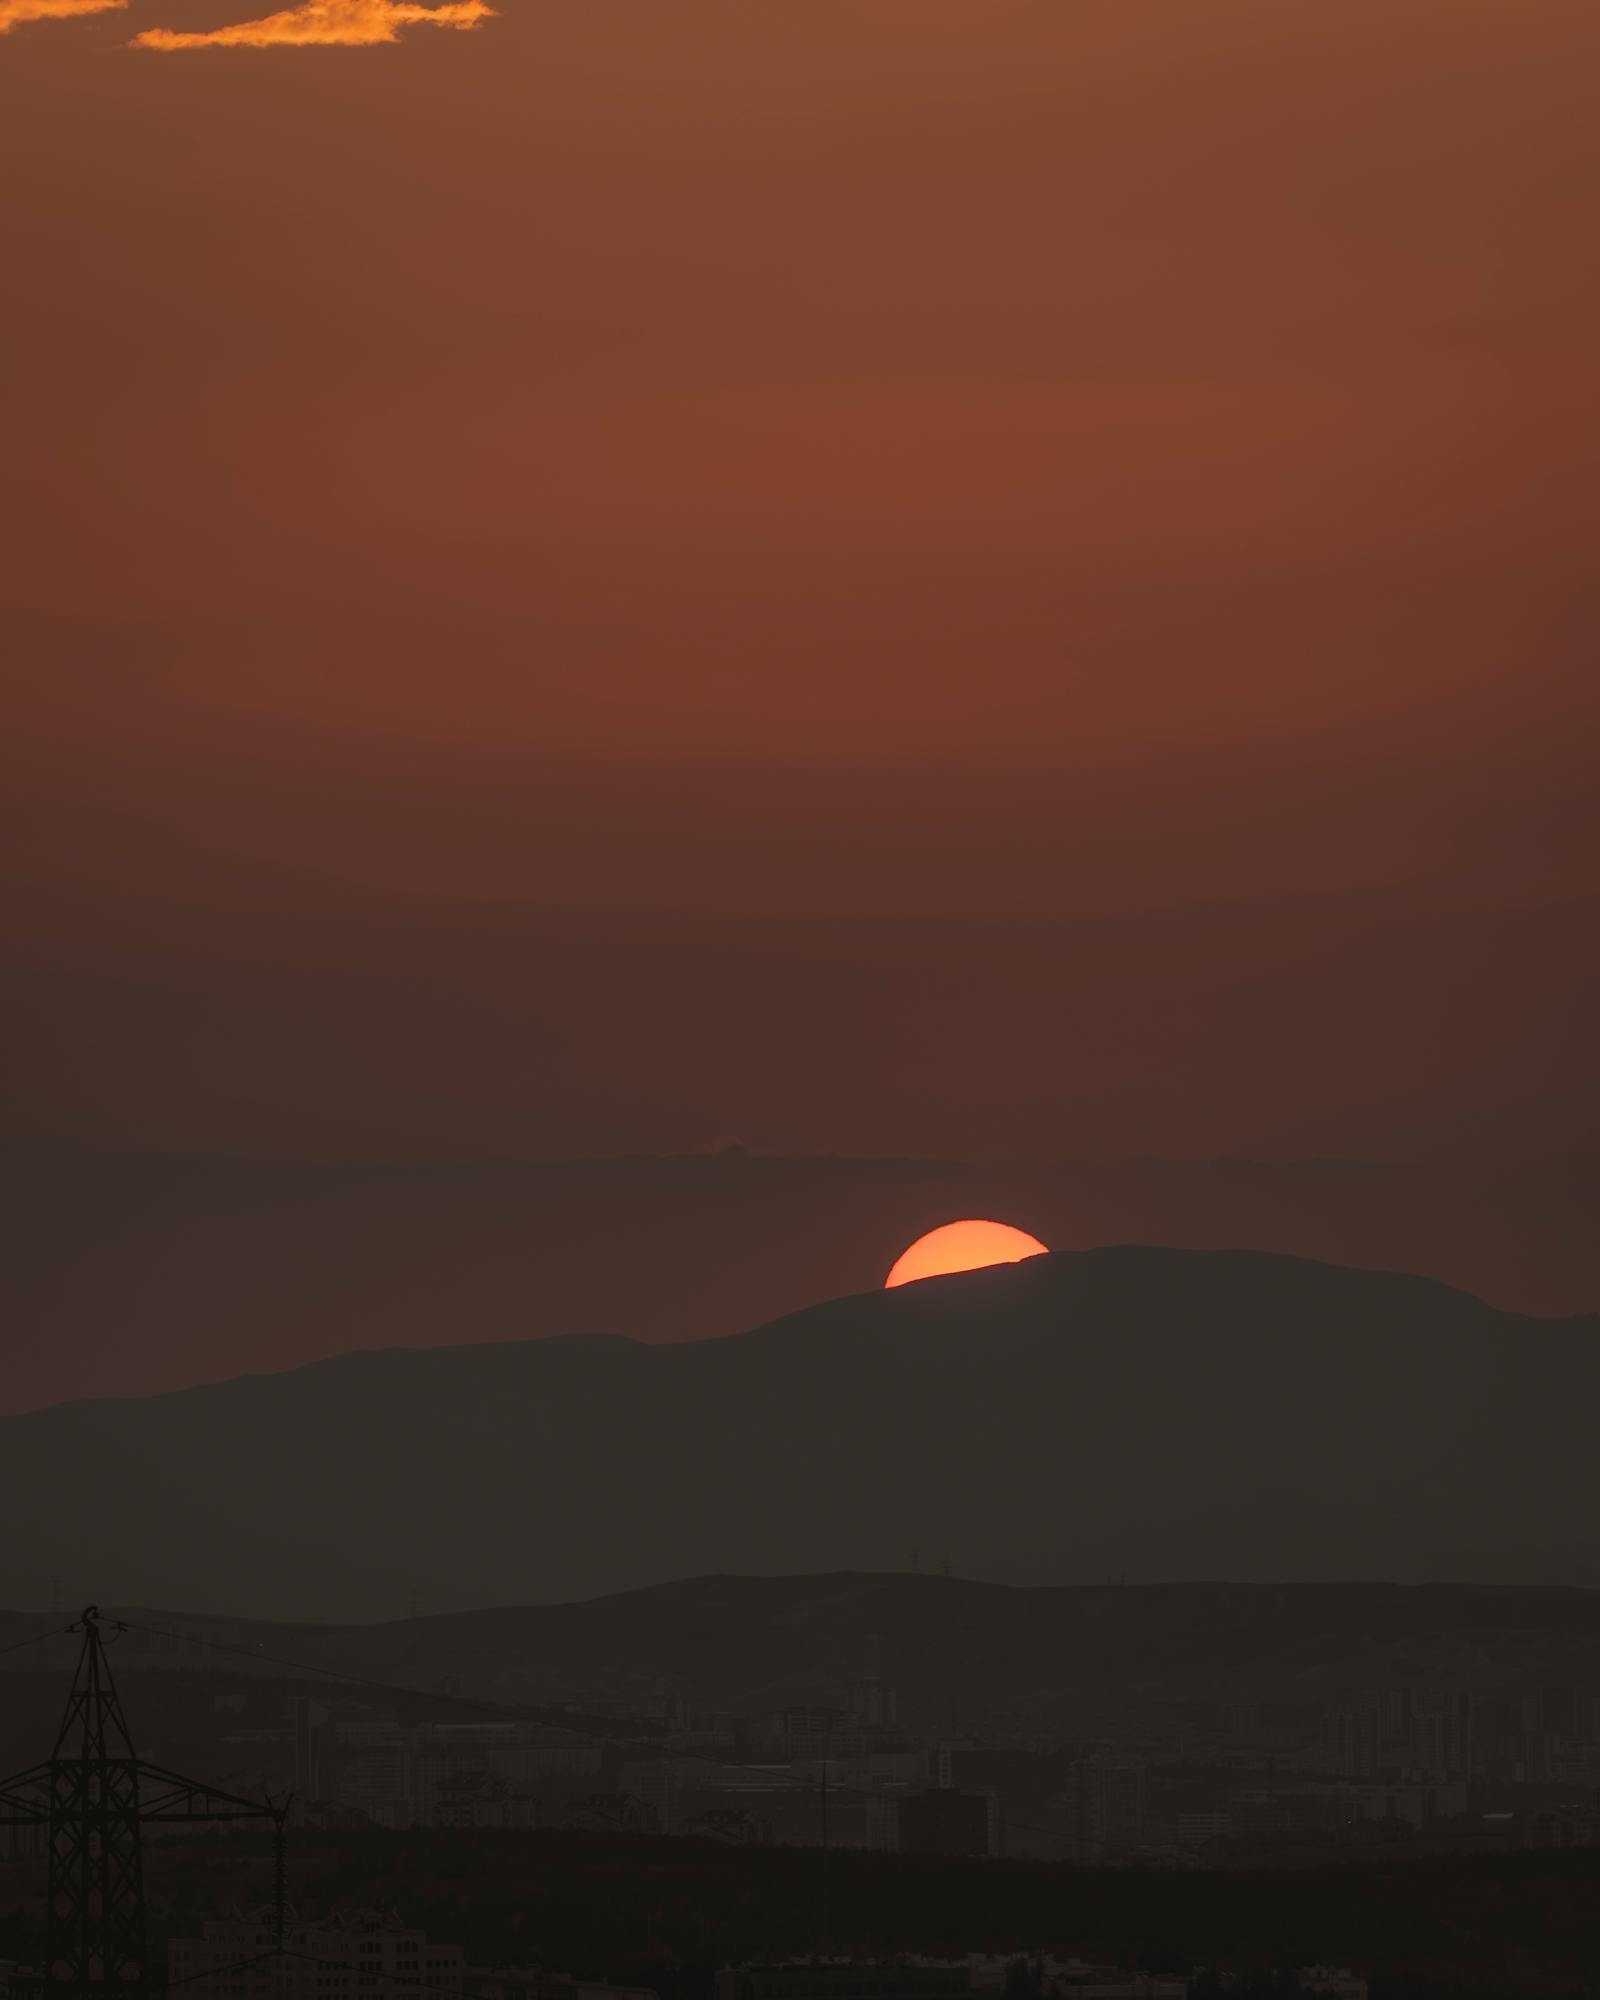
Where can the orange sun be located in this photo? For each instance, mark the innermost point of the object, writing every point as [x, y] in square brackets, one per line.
[963, 1246]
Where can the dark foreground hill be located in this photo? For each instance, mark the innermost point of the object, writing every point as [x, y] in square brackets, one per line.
[666, 1914]
[1141, 1413]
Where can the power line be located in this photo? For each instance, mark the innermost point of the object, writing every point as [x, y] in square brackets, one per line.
[88, 1794]
[36, 1639]
[475, 1702]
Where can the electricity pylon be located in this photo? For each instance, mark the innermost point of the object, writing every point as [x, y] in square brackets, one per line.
[93, 1796]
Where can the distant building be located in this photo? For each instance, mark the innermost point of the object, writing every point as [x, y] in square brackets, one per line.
[1075, 1977]
[350, 1957]
[1268, 1813]
[842, 1979]
[656, 1781]
[1416, 1805]
[367, 1955]
[807, 1732]
[482, 1800]
[613, 1812]
[879, 1769]
[520, 1983]
[1559, 1709]
[1105, 1798]
[1333, 1982]
[1355, 1740]
[376, 1776]
[307, 1717]
[1407, 1734]
[1442, 1742]
[872, 1704]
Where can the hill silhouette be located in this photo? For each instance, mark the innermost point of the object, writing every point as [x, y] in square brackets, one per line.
[1161, 1415]
[1072, 1659]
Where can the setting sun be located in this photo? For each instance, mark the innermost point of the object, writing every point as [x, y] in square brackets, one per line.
[963, 1246]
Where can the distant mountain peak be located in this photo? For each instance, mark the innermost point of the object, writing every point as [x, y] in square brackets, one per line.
[1132, 1411]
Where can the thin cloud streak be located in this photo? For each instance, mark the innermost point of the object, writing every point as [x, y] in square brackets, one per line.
[318, 24]
[13, 13]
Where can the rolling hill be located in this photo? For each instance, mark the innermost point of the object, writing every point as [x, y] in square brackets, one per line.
[1159, 1415]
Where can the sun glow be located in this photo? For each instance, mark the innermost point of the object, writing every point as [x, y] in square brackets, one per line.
[963, 1246]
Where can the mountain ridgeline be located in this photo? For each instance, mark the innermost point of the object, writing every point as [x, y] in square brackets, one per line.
[1138, 1413]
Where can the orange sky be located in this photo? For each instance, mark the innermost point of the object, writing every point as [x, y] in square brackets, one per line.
[1007, 580]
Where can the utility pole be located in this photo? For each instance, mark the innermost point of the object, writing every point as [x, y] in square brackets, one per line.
[827, 1755]
[826, 1938]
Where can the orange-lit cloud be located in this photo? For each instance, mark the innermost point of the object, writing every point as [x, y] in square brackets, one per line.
[14, 12]
[318, 24]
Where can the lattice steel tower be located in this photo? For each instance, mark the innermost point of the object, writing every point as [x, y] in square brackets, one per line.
[95, 1925]
[92, 1796]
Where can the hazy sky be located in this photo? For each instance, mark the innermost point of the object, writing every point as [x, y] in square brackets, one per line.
[1008, 579]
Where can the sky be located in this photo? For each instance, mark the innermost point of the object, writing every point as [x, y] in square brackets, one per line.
[913, 579]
